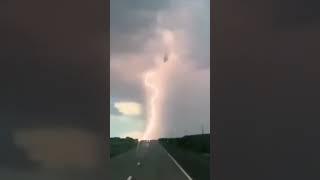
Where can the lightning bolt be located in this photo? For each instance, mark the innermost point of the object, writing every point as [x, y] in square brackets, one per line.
[152, 116]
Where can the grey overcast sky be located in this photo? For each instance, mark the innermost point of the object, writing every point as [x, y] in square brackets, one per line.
[142, 31]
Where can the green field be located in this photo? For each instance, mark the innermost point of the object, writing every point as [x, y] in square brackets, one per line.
[192, 153]
[120, 145]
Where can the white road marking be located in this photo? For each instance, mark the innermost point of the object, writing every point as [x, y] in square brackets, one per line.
[184, 172]
[129, 178]
[138, 164]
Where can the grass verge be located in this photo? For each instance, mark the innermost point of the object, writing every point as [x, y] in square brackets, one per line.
[192, 153]
[119, 145]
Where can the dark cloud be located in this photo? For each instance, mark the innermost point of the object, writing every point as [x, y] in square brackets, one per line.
[130, 19]
[200, 38]
[140, 5]
[129, 91]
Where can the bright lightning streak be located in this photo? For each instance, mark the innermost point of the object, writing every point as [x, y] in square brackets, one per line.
[152, 116]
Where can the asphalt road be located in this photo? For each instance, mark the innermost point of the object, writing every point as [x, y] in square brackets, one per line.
[155, 164]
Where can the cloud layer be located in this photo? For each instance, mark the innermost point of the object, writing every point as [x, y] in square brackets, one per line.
[128, 108]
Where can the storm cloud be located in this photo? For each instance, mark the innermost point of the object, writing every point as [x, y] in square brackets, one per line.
[141, 32]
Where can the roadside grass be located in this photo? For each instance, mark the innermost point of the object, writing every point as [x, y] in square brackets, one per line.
[120, 145]
[192, 153]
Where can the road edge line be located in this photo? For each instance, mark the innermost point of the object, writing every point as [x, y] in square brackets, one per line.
[177, 164]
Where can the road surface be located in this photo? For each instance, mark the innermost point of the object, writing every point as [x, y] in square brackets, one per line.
[155, 164]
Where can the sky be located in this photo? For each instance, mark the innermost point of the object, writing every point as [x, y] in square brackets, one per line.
[141, 32]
